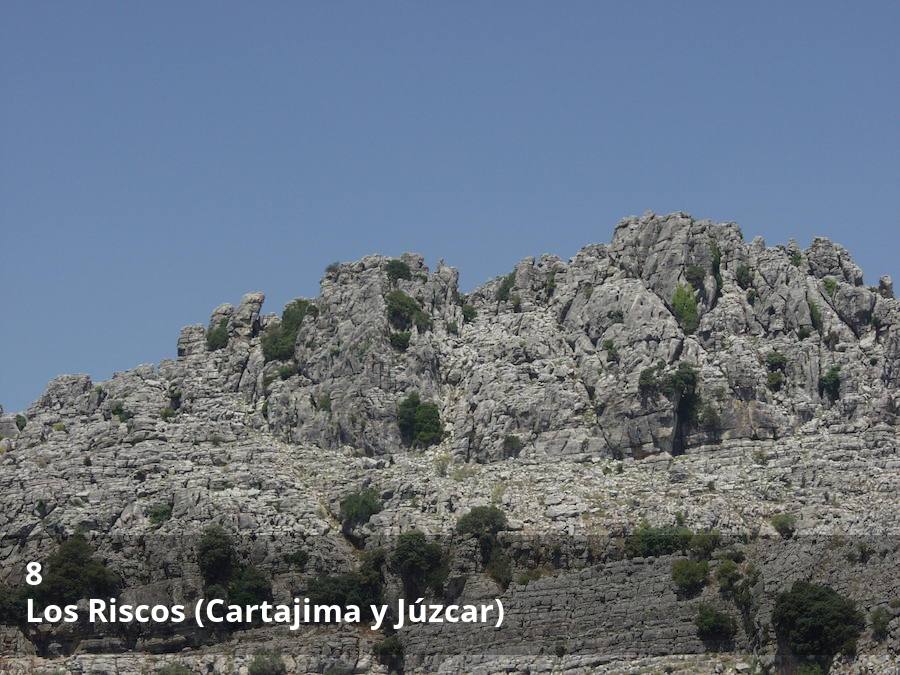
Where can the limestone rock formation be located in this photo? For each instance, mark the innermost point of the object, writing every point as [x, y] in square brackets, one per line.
[678, 373]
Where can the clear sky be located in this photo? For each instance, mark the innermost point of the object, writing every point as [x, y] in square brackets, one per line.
[159, 158]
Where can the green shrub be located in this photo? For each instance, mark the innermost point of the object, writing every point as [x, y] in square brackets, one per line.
[505, 287]
[419, 563]
[279, 340]
[616, 316]
[695, 276]
[728, 575]
[452, 328]
[703, 544]
[752, 296]
[709, 418]
[118, 410]
[815, 317]
[796, 259]
[59, 426]
[397, 269]
[744, 276]
[646, 541]
[499, 567]
[420, 423]
[830, 285]
[400, 340]
[803, 332]
[159, 513]
[775, 380]
[785, 524]
[323, 402]
[216, 556]
[217, 338]
[72, 573]
[830, 384]
[684, 306]
[404, 312]
[389, 653]
[469, 313]
[713, 625]
[689, 576]
[482, 521]
[612, 354]
[248, 586]
[358, 507]
[551, 283]
[21, 421]
[815, 621]
[286, 371]
[297, 559]
[776, 361]
[681, 388]
[512, 445]
[266, 664]
[166, 414]
[362, 588]
[648, 382]
[879, 619]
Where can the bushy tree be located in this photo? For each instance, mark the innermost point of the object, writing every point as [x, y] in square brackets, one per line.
[217, 337]
[419, 563]
[684, 306]
[646, 541]
[279, 340]
[744, 276]
[830, 384]
[814, 620]
[713, 625]
[689, 575]
[358, 507]
[403, 312]
[397, 269]
[419, 422]
[72, 573]
[505, 287]
[216, 556]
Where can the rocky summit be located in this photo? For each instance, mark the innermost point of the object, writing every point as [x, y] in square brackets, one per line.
[665, 435]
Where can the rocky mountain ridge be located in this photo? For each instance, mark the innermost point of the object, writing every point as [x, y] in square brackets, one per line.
[678, 373]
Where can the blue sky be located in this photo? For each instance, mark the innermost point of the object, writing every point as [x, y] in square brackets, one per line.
[157, 159]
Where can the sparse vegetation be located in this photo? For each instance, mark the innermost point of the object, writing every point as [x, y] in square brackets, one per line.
[689, 576]
[59, 426]
[728, 575]
[362, 588]
[217, 337]
[404, 312]
[713, 625]
[389, 653]
[815, 621]
[278, 341]
[419, 563]
[796, 259]
[397, 269]
[681, 388]
[646, 541]
[166, 414]
[400, 340]
[287, 371]
[452, 328]
[21, 421]
[216, 556]
[879, 619]
[358, 507]
[72, 573]
[505, 287]
[159, 513]
[420, 423]
[266, 664]
[775, 380]
[612, 354]
[696, 276]
[684, 306]
[744, 276]
[469, 313]
[830, 384]
[815, 317]
[785, 524]
[648, 382]
[616, 316]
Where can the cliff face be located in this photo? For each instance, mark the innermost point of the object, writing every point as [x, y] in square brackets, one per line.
[676, 370]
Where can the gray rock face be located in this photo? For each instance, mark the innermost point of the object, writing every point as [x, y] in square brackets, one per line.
[561, 395]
